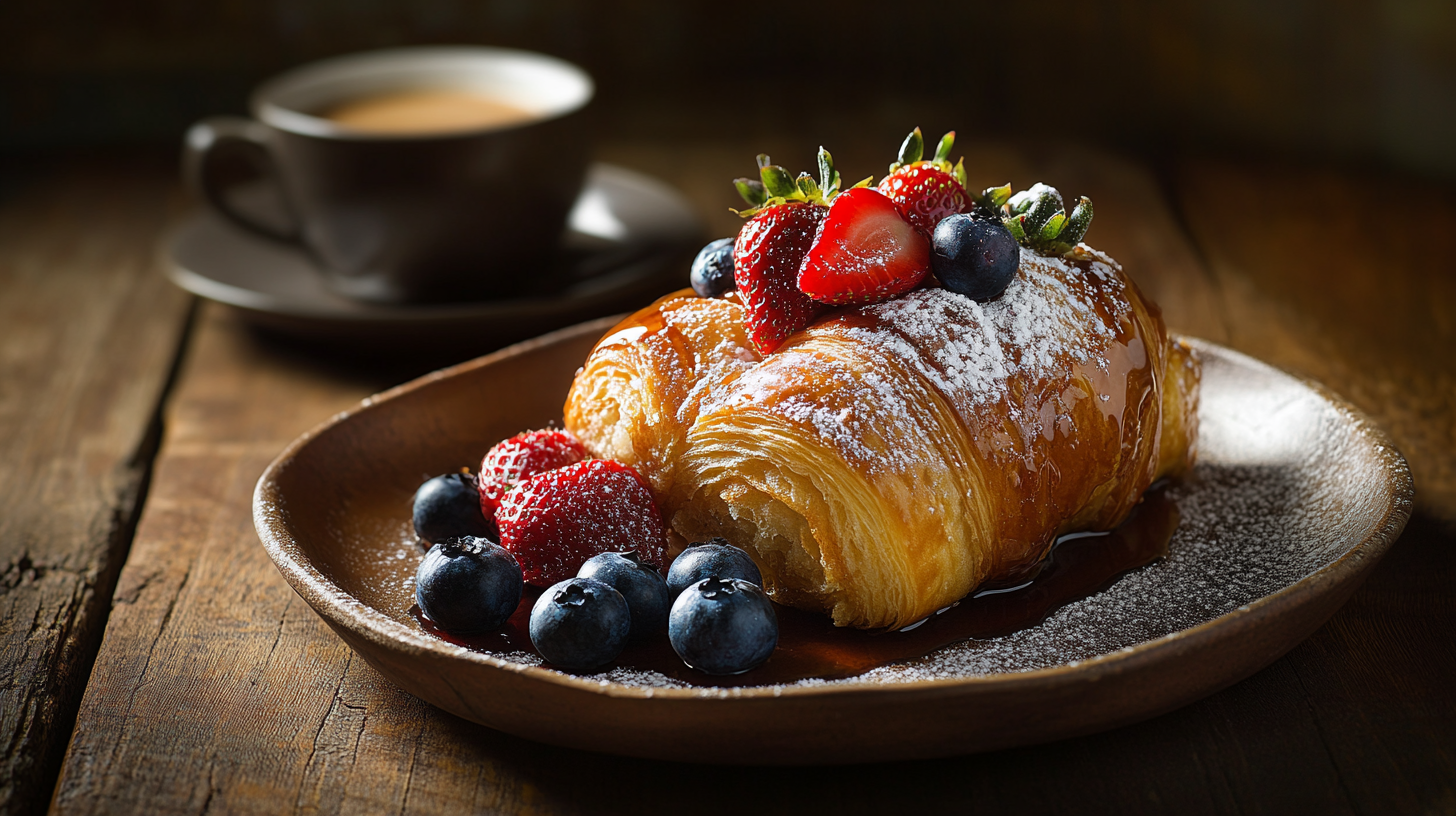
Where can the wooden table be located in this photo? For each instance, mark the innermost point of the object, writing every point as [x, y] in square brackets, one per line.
[135, 421]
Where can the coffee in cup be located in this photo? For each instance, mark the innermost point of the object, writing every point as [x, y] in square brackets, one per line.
[419, 174]
[426, 111]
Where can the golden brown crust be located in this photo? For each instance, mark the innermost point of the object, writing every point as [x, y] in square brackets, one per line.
[638, 392]
[890, 458]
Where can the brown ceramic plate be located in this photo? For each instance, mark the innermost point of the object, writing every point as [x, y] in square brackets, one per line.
[1295, 498]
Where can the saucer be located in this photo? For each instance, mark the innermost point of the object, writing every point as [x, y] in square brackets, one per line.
[629, 240]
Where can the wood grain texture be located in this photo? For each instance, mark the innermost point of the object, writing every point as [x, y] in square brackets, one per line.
[1316, 279]
[190, 685]
[218, 690]
[1311, 278]
[88, 333]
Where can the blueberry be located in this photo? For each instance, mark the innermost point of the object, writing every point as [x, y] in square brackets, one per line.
[449, 507]
[580, 624]
[468, 585]
[640, 584]
[975, 257]
[723, 626]
[712, 274]
[715, 558]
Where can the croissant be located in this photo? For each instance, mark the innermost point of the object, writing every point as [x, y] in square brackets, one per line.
[889, 459]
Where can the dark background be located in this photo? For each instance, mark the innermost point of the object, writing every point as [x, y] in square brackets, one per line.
[1369, 82]
[1290, 188]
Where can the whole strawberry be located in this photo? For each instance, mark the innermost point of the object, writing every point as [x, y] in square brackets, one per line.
[767, 255]
[785, 217]
[554, 521]
[926, 192]
[521, 457]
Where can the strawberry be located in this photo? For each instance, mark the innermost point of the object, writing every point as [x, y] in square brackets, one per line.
[925, 195]
[866, 252]
[554, 521]
[767, 255]
[521, 457]
[926, 191]
[784, 216]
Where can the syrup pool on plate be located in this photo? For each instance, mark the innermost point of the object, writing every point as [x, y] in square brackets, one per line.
[1080, 565]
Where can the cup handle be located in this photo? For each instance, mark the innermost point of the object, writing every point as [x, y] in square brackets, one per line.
[208, 139]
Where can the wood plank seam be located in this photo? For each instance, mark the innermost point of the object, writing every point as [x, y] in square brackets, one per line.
[156, 638]
[308, 764]
[93, 601]
[409, 774]
[1319, 728]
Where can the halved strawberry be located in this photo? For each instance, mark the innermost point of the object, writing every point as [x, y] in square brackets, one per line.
[926, 191]
[766, 259]
[866, 252]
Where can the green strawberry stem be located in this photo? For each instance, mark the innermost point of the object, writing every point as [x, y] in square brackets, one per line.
[1038, 220]
[828, 176]
[774, 185]
[992, 198]
[808, 186]
[1037, 206]
[777, 180]
[942, 150]
[752, 191]
[1036, 217]
[1078, 221]
[912, 148]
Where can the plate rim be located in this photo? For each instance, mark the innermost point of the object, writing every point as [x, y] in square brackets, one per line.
[339, 608]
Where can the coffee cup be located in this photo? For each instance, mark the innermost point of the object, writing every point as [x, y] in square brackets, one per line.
[414, 174]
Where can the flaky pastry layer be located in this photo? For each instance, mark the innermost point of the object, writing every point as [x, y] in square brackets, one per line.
[891, 458]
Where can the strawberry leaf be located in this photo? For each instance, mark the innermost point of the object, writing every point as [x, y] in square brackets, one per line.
[1053, 227]
[992, 198]
[828, 176]
[775, 186]
[752, 191]
[912, 149]
[1037, 219]
[808, 187]
[942, 151]
[1020, 203]
[1039, 204]
[1013, 224]
[777, 180]
[1078, 221]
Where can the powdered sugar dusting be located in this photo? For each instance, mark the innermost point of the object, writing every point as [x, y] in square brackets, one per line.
[851, 409]
[1052, 311]
[717, 371]
[1244, 535]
